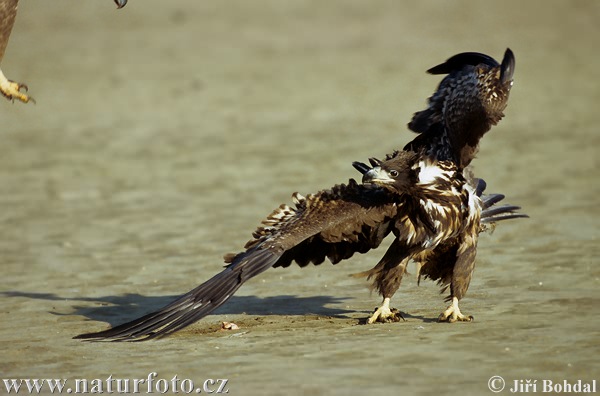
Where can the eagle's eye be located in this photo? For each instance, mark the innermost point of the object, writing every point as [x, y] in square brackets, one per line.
[394, 173]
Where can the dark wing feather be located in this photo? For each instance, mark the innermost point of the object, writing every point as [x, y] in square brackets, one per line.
[193, 305]
[334, 223]
[8, 13]
[459, 61]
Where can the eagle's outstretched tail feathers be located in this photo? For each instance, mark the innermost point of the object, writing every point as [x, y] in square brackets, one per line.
[193, 305]
[491, 213]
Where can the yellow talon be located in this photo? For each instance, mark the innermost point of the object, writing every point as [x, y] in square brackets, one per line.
[12, 90]
[452, 314]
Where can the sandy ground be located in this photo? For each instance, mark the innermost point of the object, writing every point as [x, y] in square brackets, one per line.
[163, 133]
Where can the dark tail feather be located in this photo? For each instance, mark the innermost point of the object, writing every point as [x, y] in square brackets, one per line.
[488, 200]
[193, 305]
[507, 213]
[491, 214]
[480, 186]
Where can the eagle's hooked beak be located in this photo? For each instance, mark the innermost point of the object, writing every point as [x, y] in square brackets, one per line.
[364, 168]
[120, 3]
[377, 176]
[508, 67]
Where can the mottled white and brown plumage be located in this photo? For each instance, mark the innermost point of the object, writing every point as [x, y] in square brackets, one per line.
[468, 102]
[420, 195]
[439, 220]
[8, 12]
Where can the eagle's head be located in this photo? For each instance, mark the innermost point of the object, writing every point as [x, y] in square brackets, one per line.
[396, 174]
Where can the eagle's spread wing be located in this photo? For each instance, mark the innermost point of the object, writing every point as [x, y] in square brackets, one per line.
[331, 224]
[334, 223]
[8, 12]
[467, 103]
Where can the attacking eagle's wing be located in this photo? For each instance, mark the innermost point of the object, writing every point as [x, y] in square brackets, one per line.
[423, 121]
[334, 223]
[8, 12]
[468, 102]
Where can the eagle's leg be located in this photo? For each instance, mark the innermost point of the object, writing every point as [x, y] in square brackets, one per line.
[12, 90]
[453, 314]
[388, 276]
[461, 278]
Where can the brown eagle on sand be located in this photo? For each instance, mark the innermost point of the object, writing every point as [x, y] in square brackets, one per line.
[422, 194]
[8, 12]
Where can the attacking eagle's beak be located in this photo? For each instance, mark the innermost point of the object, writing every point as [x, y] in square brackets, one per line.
[120, 3]
[507, 68]
[377, 176]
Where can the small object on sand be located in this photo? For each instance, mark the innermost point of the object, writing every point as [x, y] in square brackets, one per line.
[229, 326]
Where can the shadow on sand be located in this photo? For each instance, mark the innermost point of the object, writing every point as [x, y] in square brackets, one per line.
[118, 309]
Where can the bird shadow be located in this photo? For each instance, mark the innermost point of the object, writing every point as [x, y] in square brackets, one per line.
[420, 318]
[118, 309]
[401, 317]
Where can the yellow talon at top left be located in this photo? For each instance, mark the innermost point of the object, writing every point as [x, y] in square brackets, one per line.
[8, 12]
[12, 90]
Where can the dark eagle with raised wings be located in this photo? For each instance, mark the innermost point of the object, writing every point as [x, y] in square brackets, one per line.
[423, 195]
[8, 12]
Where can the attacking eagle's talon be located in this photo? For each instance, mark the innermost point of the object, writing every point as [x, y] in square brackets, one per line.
[13, 90]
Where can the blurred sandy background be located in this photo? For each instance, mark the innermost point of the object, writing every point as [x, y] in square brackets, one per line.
[164, 132]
